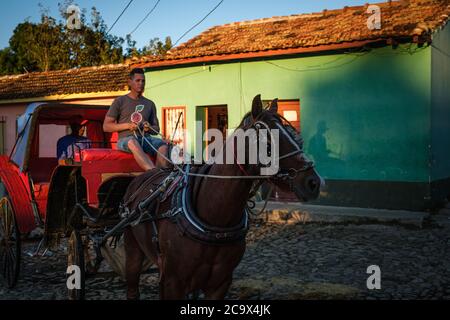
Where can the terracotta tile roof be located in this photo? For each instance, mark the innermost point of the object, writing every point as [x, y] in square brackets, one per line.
[400, 19]
[64, 82]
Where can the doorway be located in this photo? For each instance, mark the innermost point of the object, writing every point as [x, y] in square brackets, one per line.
[213, 117]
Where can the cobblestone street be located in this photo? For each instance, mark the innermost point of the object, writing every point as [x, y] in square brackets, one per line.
[292, 261]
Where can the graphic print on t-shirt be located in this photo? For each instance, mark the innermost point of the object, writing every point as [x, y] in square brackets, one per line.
[136, 116]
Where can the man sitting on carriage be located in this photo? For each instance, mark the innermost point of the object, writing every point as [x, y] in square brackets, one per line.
[134, 117]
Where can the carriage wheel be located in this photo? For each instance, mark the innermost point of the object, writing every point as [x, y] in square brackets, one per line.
[9, 244]
[75, 257]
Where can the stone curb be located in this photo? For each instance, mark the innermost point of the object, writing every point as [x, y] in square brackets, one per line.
[291, 213]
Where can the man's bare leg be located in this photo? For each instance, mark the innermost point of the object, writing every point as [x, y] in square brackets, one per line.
[140, 156]
[160, 161]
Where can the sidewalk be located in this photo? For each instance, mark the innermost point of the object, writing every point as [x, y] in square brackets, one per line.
[292, 212]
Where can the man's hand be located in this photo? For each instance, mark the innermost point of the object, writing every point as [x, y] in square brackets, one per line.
[146, 126]
[149, 128]
[132, 126]
[110, 125]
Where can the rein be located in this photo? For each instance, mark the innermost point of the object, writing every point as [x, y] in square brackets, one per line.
[291, 174]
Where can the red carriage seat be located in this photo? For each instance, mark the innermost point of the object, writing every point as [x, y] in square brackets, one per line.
[98, 165]
[97, 154]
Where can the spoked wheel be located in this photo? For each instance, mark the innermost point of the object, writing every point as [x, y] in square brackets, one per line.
[75, 261]
[9, 244]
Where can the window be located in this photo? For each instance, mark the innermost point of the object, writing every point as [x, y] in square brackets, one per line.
[170, 117]
[289, 109]
[49, 135]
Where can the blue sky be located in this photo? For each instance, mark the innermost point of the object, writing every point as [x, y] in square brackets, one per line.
[170, 18]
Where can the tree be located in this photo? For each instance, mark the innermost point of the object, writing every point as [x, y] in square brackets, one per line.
[39, 47]
[92, 45]
[155, 48]
[8, 62]
[51, 45]
[132, 51]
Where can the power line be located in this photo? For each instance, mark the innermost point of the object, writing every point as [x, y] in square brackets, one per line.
[139, 24]
[203, 19]
[318, 68]
[120, 16]
[183, 76]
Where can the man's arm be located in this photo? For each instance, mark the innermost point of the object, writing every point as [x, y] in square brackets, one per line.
[110, 125]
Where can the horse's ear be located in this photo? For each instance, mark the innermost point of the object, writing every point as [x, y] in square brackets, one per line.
[274, 106]
[256, 106]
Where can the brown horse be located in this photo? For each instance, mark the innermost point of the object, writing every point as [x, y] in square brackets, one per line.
[187, 265]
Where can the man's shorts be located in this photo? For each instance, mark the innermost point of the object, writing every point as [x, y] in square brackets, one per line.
[122, 144]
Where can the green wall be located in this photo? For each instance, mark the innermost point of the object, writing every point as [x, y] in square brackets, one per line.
[440, 101]
[376, 106]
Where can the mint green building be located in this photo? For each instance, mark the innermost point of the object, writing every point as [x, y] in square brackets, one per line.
[373, 106]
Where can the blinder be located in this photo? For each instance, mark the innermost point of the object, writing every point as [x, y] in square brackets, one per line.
[294, 139]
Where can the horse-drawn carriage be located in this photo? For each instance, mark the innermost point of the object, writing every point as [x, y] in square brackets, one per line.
[62, 197]
[184, 223]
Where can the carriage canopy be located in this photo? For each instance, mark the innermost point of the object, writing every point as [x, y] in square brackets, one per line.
[36, 114]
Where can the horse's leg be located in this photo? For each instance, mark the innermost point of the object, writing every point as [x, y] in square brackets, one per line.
[170, 286]
[219, 292]
[133, 264]
[143, 236]
[171, 289]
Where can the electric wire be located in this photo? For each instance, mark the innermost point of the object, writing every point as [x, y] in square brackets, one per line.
[203, 19]
[123, 11]
[148, 14]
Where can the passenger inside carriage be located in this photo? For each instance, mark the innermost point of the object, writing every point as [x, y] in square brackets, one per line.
[74, 142]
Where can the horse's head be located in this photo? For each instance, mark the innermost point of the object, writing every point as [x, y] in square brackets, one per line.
[295, 172]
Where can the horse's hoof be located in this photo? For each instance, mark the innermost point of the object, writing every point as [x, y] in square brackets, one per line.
[133, 296]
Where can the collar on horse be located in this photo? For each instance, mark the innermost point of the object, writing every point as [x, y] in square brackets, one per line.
[190, 225]
[182, 212]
